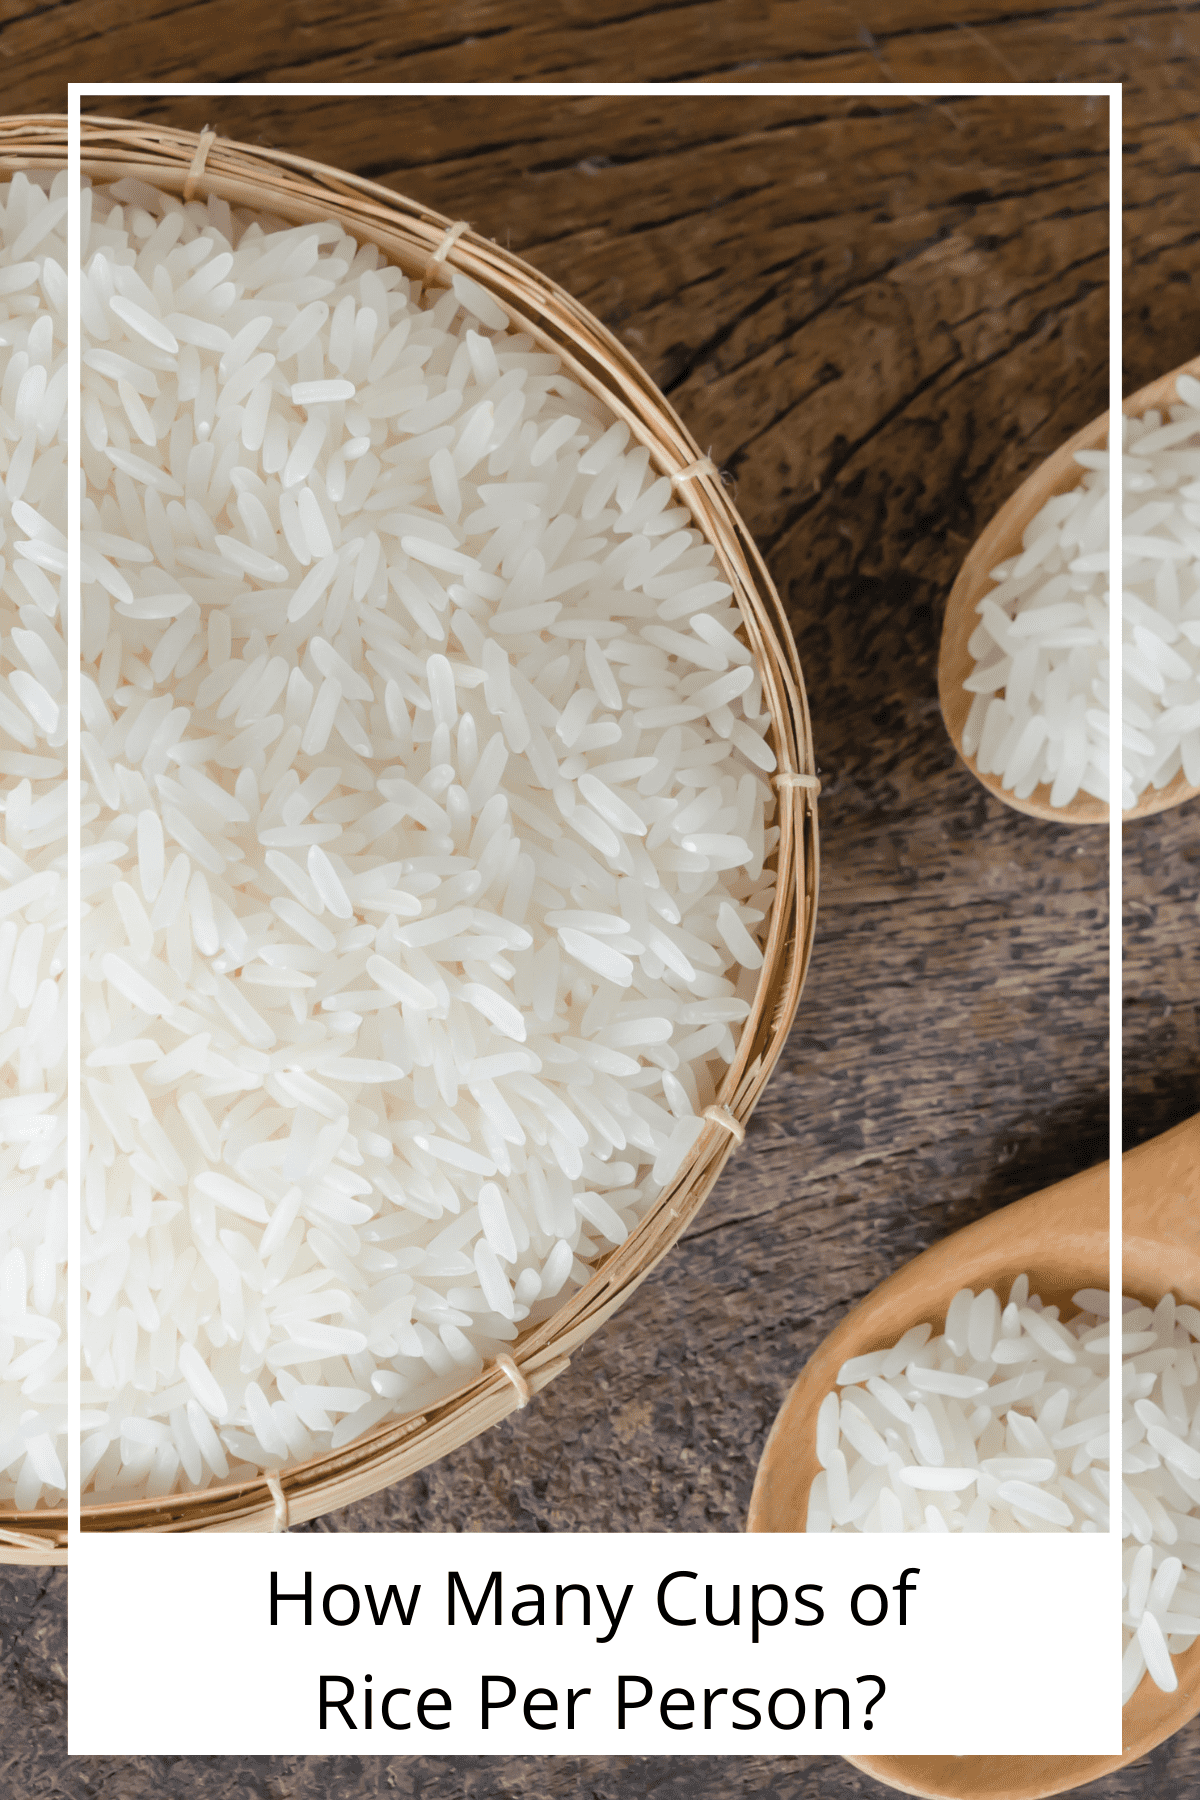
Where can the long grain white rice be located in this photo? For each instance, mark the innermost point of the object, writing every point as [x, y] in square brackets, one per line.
[33, 735]
[1040, 679]
[1027, 1448]
[425, 838]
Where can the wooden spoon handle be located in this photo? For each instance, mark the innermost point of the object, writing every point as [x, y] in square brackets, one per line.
[1162, 1215]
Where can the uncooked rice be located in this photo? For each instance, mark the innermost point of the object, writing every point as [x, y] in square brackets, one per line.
[1001, 1424]
[1040, 712]
[33, 734]
[426, 820]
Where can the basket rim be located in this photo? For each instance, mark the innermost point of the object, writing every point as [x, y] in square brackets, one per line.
[295, 187]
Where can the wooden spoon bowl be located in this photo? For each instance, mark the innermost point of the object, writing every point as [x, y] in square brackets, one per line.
[1059, 1237]
[1001, 540]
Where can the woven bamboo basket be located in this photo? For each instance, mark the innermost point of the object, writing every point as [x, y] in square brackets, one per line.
[429, 247]
[32, 141]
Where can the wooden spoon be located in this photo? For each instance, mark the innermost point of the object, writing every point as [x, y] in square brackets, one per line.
[1060, 1238]
[1001, 540]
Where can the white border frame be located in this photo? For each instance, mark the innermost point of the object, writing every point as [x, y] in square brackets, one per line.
[581, 91]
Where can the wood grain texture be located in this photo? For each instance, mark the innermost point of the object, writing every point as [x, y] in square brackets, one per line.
[1161, 875]
[57, 41]
[880, 314]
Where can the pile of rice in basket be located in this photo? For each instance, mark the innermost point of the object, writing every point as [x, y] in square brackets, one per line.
[425, 829]
[33, 797]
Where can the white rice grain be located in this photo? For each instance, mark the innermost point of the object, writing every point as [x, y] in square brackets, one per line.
[1031, 1453]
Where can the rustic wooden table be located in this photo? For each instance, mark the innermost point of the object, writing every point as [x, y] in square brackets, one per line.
[879, 313]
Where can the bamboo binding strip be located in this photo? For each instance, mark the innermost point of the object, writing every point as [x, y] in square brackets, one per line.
[429, 248]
